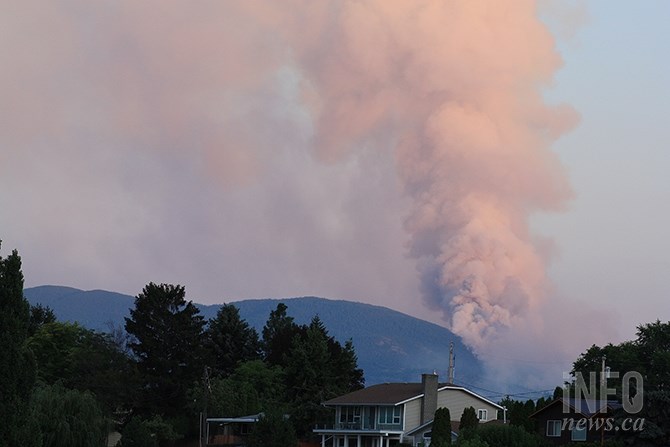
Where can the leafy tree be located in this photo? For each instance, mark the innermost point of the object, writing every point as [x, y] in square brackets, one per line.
[653, 345]
[253, 387]
[273, 429]
[268, 381]
[39, 316]
[230, 341]
[441, 433]
[17, 369]
[68, 417]
[649, 355]
[147, 432]
[82, 359]
[278, 334]
[166, 336]
[137, 434]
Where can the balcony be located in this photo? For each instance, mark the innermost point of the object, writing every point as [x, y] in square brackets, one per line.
[358, 427]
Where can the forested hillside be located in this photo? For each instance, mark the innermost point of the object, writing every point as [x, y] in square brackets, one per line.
[391, 346]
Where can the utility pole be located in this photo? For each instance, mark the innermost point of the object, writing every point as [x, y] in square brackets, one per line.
[207, 390]
[603, 387]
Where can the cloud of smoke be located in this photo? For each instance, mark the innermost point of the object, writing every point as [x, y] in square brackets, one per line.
[451, 90]
[458, 85]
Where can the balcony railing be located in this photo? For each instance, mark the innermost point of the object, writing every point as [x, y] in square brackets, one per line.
[360, 426]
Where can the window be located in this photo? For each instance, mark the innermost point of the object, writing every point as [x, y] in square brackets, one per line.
[554, 428]
[578, 433]
[482, 414]
[389, 415]
[350, 415]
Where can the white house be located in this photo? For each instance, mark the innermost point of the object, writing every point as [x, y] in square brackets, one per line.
[386, 414]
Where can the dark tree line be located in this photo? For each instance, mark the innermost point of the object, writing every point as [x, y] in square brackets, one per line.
[648, 355]
[64, 385]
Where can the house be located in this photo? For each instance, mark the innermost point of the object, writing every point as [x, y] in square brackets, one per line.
[390, 413]
[575, 420]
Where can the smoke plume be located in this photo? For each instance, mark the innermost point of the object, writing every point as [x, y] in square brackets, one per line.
[458, 85]
[451, 91]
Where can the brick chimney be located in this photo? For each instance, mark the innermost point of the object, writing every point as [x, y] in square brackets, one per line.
[429, 402]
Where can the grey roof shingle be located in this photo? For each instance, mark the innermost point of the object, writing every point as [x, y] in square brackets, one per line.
[384, 393]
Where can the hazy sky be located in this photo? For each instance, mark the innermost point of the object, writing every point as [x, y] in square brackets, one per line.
[612, 242]
[236, 150]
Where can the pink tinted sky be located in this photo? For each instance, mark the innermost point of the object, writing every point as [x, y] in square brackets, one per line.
[89, 206]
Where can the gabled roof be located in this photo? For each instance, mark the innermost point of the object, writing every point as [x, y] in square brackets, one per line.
[395, 394]
[586, 407]
[382, 394]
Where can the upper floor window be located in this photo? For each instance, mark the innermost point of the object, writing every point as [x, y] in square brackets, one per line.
[554, 428]
[350, 415]
[482, 414]
[389, 415]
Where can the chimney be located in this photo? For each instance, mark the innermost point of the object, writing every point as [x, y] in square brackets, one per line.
[429, 402]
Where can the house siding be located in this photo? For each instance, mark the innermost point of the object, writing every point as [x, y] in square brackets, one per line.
[459, 400]
[413, 414]
[554, 412]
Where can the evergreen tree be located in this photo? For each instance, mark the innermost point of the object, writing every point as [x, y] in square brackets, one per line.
[318, 368]
[17, 369]
[558, 393]
[39, 316]
[469, 422]
[518, 413]
[347, 375]
[310, 378]
[167, 335]
[230, 341]
[278, 334]
[441, 433]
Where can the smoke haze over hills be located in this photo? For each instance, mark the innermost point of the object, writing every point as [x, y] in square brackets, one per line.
[394, 151]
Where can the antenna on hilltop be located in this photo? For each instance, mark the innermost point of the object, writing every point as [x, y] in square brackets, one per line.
[452, 361]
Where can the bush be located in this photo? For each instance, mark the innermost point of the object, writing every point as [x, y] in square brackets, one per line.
[508, 436]
[473, 442]
[147, 433]
[273, 430]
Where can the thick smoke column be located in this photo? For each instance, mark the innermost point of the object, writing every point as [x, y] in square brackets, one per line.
[458, 85]
[450, 89]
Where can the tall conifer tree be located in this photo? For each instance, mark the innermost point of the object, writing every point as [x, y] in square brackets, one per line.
[167, 343]
[17, 367]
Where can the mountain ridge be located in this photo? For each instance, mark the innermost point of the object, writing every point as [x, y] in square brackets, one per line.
[391, 346]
